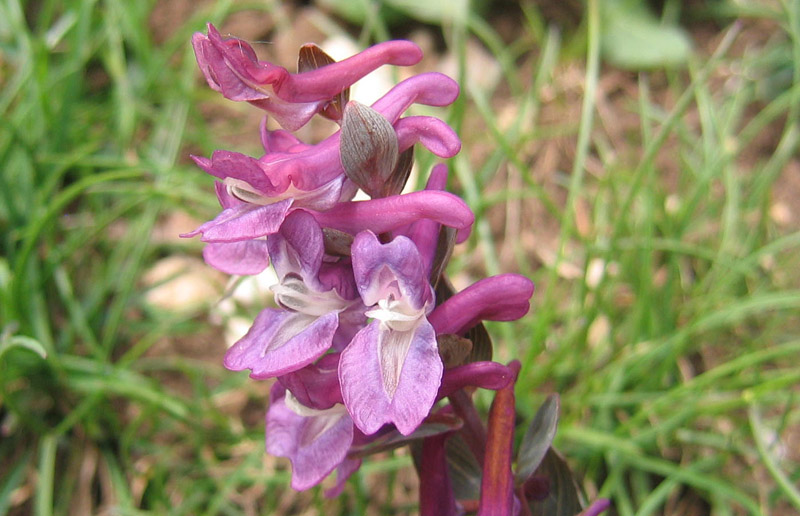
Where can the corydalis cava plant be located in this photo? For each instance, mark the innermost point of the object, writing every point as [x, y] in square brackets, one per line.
[369, 346]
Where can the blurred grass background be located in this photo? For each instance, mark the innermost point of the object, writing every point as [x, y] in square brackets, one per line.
[638, 160]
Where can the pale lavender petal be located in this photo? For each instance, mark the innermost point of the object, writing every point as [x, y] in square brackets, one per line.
[244, 222]
[498, 298]
[381, 269]
[430, 89]
[389, 213]
[297, 247]
[280, 342]
[343, 472]
[315, 445]
[390, 377]
[241, 258]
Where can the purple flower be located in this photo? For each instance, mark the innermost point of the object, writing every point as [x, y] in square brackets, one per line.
[311, 296]
[314, 440]
[232, 68]
[391, 371]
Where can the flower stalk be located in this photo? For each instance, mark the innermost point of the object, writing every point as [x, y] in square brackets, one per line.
[369, 347]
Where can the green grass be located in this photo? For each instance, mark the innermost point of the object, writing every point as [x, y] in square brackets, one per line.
[677, 367]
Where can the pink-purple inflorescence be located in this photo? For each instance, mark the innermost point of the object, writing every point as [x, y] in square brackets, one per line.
[369, 336]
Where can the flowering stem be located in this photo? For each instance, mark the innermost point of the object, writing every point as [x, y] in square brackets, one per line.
[473, 432]
[435, 491]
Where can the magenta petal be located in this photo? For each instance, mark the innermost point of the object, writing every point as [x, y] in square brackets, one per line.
[485, 375]
[374, 393]
[226, 164]
[499, 298]
[241, 258]
[315, 445]
[430, 89]
[389, 213]
[434, 134]
[280, 342]
[279, 140]
[326, 82]
[316, 385]
[244, 222]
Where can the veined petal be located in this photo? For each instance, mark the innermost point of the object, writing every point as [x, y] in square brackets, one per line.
[391, 272]
[390, 377]
[315, 445]
[241, 258]
[389, 213]
[234, 165]
[298, 247]
[243, 222]
[280, 342]
[499, 298]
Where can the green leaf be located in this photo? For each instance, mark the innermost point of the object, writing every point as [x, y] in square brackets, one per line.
[538, 438]
[633, 38]
[562, 497]
[21, 341]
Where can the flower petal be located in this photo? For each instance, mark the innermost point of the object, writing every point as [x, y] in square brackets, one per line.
[241, 258]
[390, 377]
[244, 222]
[379, 268]
[389, 213]
[315, 445]
[297, 247]
[280, 342]
[499, 298]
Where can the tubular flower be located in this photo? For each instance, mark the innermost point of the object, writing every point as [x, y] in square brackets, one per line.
[303, 329]
[391, 370]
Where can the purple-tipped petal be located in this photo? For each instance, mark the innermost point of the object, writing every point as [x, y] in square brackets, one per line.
[390, 377]
[395, 269]
[389, 213]
[280, 342]
[315, 444]
[240, 258]
[499, 298]
[244, 222]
